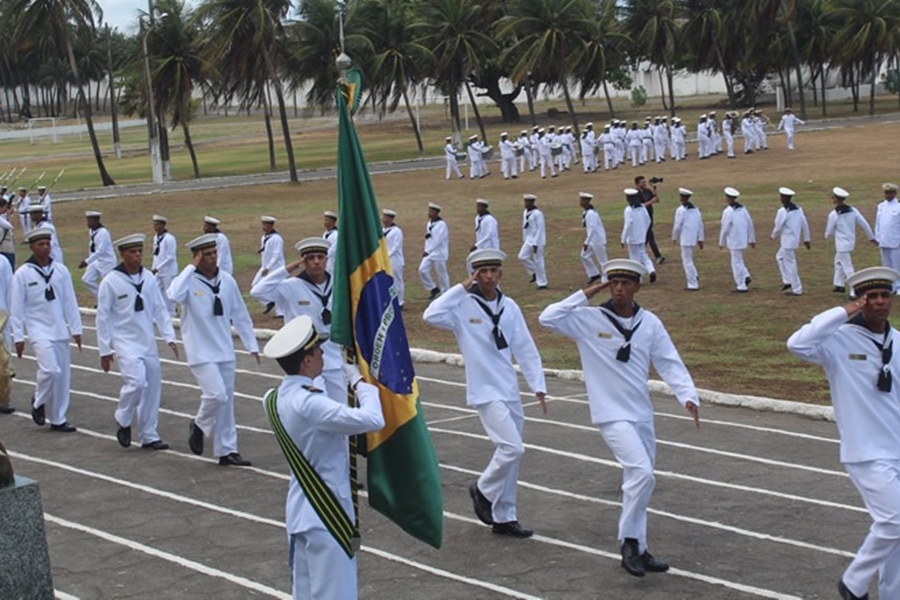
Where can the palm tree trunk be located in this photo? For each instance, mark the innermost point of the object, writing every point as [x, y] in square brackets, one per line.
[729, 86]
[797, 66]
[88, 117]
[875, 61]
[412, 120]
[190, 146]
[164, 153]
[476, 111]
[662, 90]
[824, 78]
[114, 114]
[268, 119]
[282, 113]
[530, 100]
[571, 109]
[670, 77]
[454, 112]
[612, 112]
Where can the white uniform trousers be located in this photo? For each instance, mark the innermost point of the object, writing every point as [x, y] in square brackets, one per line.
[533, 261]
[398, 282]
[739, 270]
[53, 374]
[503, 423]
[453, 166]
[762, 139]
[216, 414]
[659, 150]
[547, 160]
[591, 268]
[440, 269]
[164, 281]
[729, 140]
[635, 153]
[703, 149]
[646, 149]
[634, 445]
[320, 569]
[690, 271]
[787, 264]
[748, 143]
[508, 167]
[91, 278]
[139, 396]
[878, 482]
[789, 134]
[890, 257]
[638, 252]
[843, 268]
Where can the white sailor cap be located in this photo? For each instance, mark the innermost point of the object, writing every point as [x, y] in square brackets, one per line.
[788, 109]
[630, 192]
[648, 118]
[676, 119]
[551, 127]
[330, 214]
[41, 187]
[297, 334]
[589, 124]
[22, 188]
[504, 134]
[541, 130]
[160, 218]
[388, 212]
[786, 191]
[130, 241]
[685, 192]
[523, 132]
[623, 268]
[529, 197]
[703, 116]
[92, 213]
[873, 278]
[535, 128]
[473, 137]
[841, 193]
[486, 257]
[889, 187]
[606, 127]
[312, 245]
[207, 240]
[38, 233]
[211, 220]
[434, 206]
[482, 201]
[448, 138]
[732, 192]
[712, 112]
[267, 219]
[585, 196]
[36, 208]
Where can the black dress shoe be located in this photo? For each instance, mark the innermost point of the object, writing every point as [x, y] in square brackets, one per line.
[846, 594]
[6, 409]
[838, 289]
[542, 287]
[748, 281]
[37, 414]
[157, 445]
[195, 439]
[653, 564]
[737, 291]
[482, 506]
[234, 460]
[123, 434]
[632, 561]
[269, 308]
[533, 278]
[786, 286]
[65, 427]
[653, 277]
[512, 529]
[435, 292]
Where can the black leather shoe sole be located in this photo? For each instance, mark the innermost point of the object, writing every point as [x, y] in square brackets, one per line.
[157, 445]
[195, 439]
[481, 505]
[63, 428]
[7, 409]
[234, 460]
[123, 434]
[512, 529]
[846, 594]
[38, 414]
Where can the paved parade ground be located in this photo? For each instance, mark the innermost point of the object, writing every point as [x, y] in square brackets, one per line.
[753, 505]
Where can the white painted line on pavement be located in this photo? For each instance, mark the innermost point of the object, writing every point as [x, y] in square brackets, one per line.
[60, 595]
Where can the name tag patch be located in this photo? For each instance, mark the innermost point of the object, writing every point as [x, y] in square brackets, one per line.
[857, 357]
[122, 297]
[303, 302]
[199, 293]
[475, 321]
[33, 283]
[604, 336]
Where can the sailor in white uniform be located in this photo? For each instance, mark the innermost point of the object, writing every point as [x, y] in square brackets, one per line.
[165, 258]
[271, 251]
[223, 246]
[853, 344]
[594, 246]
[313, 427]
[128, 306]
[618, 342]
[491, 332]
[309, 292]
[737, 233]
[22, 202]
[507, 157]
[435, 254]
[393, 238]
[887, 229]
[524, 143]
[842, 222]
[330, 234]
[101, 258]
[45, 199]
[211, 304]
[43, 305]
[487, 234]
[534, 239]
[788, 121]
[37, 215]
[450, 157]
[634, 230]
[546, 157]
[790, 228]
[687, 232]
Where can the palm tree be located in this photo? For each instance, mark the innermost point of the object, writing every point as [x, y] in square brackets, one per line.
[705, 36]
[603, 52]
[654, 28]
[53, 19]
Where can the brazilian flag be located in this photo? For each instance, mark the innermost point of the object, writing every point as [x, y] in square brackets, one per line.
[403, 479]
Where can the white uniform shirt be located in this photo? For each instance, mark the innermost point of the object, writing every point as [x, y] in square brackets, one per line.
[842, 225]
[618, 391]
[393, 238]
[486, 233]
[22, 204]
[120, 328]
[6, 282]
[787, 122]
[319, 427]
[688, 226]
[7, 243]
[737, 228]
[887, 224]
[634, 138]
[607, 139]
[534, 231]
[678, 134]
[223, 251]
[506, 149]
[490, 375]
[53, 320]
[165, 257]
[868, 420]
[332, 236]
[637, 222]
[790, 225]
[437, 239]
[101, 250]
[594, 232]
[450, 150]
[56, 252]
[47, 203]
[272, 250]
[207, 337]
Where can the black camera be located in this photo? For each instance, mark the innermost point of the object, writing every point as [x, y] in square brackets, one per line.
[655, 180]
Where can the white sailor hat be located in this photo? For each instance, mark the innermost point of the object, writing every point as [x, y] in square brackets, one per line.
[211, 220]
[38, 233]
[703, 116]
[434, 206]
[130, 241]
[648, 118]
[529, 197]
[551, 127]
[786, 191]
[676, 119]
[482, 201]
[665, 118]
[523, 132]
[788, 109]
[732, 192]
[207, 240]
[535, 128]
[712, 112]
[267, 219]
[841, 193]
[589, 124]
[541, 130]
[873, 278]
[486, 257]
[330, 214]
[448, 138]
[504, 134]
[623, 268]
[35, 208]
[388, 212]
[41, 187]
[606, 127]
[297, 334]
[889, 187]
[312, 245]
[585, 195]
[473, 137]
[685, 192]
[22, 188]
[93, 213]
[630, 192]
[160, 218]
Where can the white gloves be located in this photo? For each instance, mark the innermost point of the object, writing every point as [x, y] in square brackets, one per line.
[351, 374]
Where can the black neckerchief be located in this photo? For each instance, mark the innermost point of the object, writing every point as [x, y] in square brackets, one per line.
[528, 212]
[93, 233]
[790, 206]
[49, 294]
[138, 300]
[499, 338]
[479, 219]
[329, 232]
[430, 225]
[737, 205]
[843, 209]
[218, 311]
[584, 215]
[265, 240]
[885, 378]
[688, 205]
[624, 353]
[323, 298]
[159, 238]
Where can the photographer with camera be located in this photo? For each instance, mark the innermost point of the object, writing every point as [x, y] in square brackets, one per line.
[649, 197]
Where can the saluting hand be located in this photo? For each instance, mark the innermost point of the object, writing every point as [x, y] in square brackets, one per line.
[855, 305]
[695, 412]
[591, 290]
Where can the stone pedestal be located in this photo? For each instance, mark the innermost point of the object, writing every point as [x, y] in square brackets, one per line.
[24, 562]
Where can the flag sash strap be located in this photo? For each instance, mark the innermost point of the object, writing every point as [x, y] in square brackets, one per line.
[320, 496]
